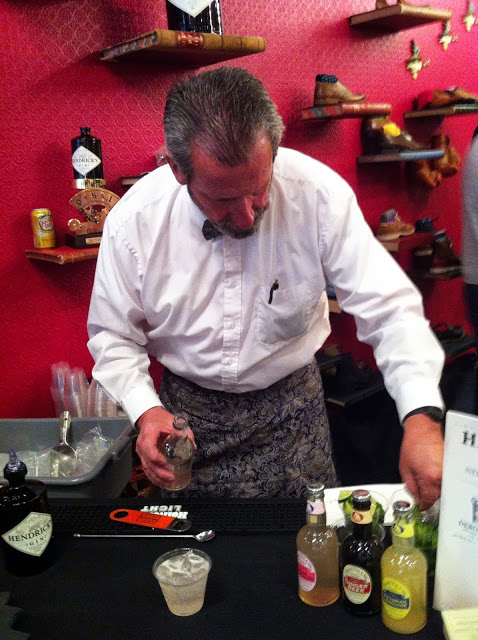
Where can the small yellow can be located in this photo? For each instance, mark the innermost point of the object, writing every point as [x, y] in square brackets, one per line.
[43, 229]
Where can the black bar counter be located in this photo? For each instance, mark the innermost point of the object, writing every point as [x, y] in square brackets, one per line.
[104, 588]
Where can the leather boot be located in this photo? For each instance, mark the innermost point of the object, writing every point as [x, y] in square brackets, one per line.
[329, 90]
[381, 135]
[450, 163]
[426, 175]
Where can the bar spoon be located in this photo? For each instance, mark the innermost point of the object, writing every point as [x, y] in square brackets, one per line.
[204, 536]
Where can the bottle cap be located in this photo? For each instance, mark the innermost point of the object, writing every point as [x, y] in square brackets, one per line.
[402, 507]
[361, 499]
[315, 487]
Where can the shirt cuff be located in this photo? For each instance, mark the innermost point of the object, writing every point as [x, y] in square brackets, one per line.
[138, 400]
[414, 394]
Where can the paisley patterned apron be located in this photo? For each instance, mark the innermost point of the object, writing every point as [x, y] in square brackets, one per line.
[266, 443]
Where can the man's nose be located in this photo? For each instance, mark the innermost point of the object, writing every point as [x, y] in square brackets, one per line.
[243, 213]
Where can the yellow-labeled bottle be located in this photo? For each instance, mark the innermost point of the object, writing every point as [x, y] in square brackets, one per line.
[317, 553]
[404, 576]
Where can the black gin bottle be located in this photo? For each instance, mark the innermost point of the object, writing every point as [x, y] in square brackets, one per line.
[209, 20]
[86, 156]
[25, 521]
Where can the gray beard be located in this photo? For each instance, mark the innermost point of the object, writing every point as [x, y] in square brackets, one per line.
[233, 231]
[230, 229]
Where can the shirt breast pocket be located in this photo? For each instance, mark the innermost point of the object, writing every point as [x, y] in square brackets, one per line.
[289, 313]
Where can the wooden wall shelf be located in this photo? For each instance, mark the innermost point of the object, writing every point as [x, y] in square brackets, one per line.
[183, 48]
[407, 243]
[398, 17]
[402, 156]
[346, 110]
[420, 275]
[62, 255]
[455, 110]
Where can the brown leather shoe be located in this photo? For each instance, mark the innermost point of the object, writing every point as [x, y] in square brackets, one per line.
[444, 260]
[425, 174]
[391, 227]
[450, 163]
[451, 96]
[329, 90]
[381, 135]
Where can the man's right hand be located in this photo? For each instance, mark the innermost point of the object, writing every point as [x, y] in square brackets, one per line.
[155, 425]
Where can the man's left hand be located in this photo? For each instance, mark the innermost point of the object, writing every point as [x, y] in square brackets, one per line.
[421, 459]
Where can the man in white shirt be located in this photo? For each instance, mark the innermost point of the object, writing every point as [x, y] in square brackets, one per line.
[237, 319]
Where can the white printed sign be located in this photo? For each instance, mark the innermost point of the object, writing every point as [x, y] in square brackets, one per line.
[456, 584]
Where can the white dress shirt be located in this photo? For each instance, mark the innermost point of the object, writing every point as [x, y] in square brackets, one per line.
[469, 253]
[202, 308]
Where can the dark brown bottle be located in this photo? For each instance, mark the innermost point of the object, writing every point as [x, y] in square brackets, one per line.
[25, 521]
[360, 556]
[86, 156]
[209, 20]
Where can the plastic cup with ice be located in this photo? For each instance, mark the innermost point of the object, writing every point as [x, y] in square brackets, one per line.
[182, 575]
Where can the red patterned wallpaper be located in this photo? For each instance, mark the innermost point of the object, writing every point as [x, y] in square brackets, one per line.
[52, 82]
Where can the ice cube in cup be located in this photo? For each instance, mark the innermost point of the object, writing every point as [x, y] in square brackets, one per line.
[182, 575]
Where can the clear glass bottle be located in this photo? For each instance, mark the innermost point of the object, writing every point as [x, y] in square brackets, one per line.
[183, 16]
[361, 552]
[25, 522]
[317, 553]
[179, 452]
[404, 576]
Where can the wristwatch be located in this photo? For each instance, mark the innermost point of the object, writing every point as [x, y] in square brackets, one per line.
[435, 413]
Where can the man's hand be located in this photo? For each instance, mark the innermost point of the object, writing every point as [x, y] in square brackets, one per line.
[155, 425]
[421, 459]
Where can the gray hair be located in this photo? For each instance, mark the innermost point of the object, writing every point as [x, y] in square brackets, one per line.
[224, 110]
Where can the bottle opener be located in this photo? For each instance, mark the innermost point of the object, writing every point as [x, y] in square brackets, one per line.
[150, 520]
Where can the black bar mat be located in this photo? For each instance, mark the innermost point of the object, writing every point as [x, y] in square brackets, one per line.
[232, 517]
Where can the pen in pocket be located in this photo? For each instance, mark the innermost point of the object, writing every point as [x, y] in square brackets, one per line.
[274, 287]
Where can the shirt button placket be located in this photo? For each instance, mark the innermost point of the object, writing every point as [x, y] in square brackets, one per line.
[232, 311]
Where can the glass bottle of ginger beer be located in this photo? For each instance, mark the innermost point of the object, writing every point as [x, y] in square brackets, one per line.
[317, 553]
[361, 552]
[404, 576]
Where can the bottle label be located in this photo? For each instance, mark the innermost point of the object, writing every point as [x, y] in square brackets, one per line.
[315, 508]
[193, 7]
[31, 535]
[396, 598]
[307, 575]
[84, 160]
[362, 517]
[403, 529]
[357, 583]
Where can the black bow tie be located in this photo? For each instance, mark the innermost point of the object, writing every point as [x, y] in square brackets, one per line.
[210, 231]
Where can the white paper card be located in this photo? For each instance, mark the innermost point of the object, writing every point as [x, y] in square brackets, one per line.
[460, 624]
[456, 575]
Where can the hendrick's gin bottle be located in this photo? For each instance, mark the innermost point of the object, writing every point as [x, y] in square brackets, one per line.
[25, 521]
[86, 158]
[194, 15]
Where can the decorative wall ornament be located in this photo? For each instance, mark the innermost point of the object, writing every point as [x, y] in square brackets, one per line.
[469, 19]
[415, 63]
[445, 36]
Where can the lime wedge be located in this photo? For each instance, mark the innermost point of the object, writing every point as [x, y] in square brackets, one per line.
[344, 495]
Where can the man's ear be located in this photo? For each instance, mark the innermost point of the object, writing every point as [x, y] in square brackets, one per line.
[175, 169]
